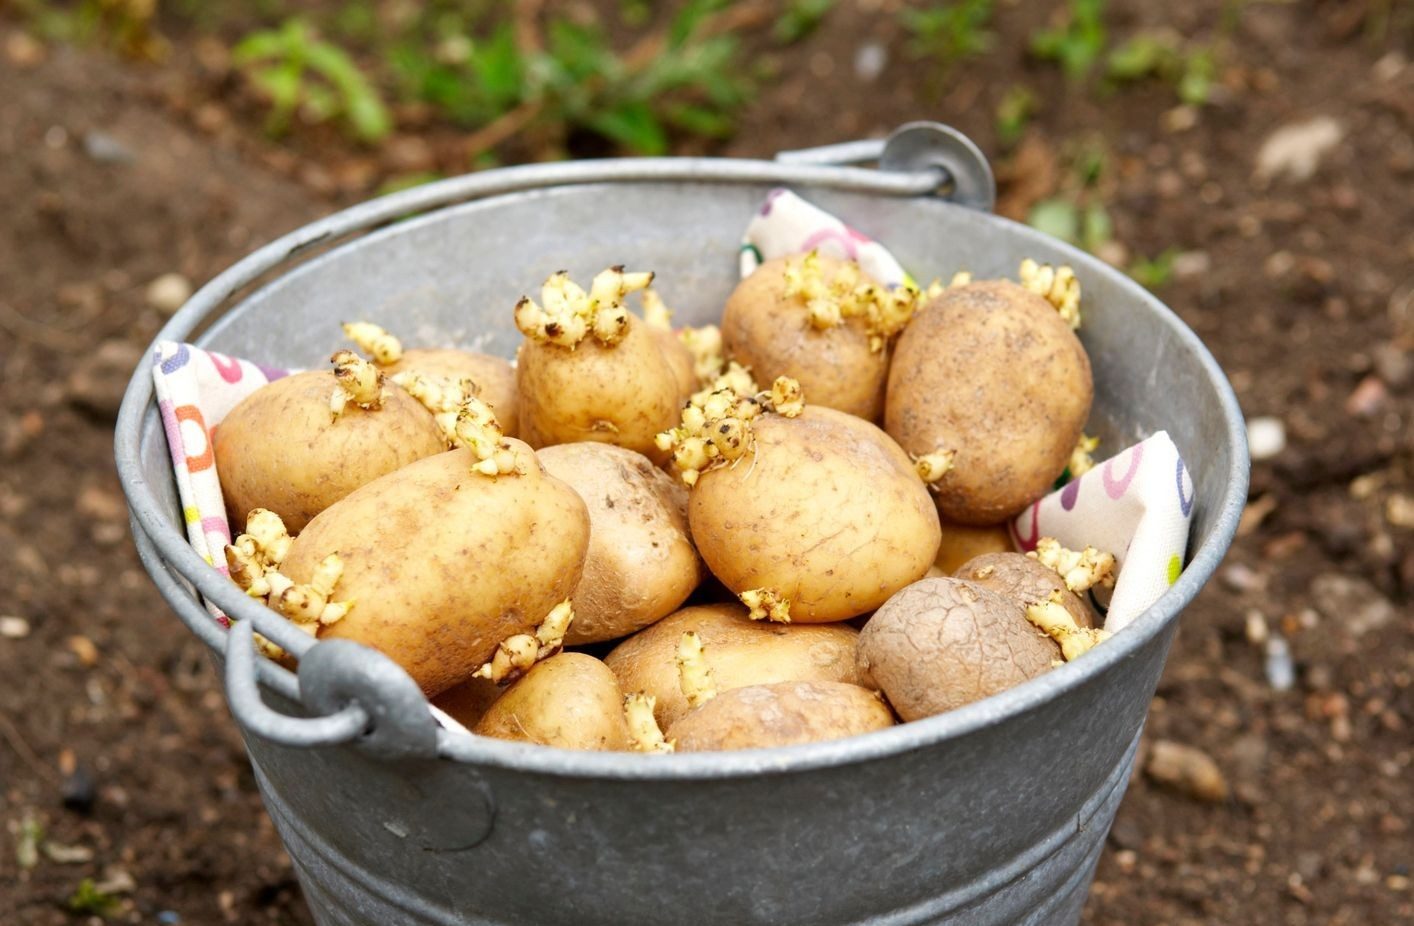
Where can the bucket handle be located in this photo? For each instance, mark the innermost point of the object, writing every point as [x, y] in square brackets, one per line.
[364, 697]
[912, 147]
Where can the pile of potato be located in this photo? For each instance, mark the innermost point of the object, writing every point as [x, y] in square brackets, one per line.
[703, 539]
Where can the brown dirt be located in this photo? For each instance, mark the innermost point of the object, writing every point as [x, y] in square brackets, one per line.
[1305, 293]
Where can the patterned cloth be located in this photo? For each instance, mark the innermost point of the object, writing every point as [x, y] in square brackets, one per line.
[1136, 505]
[196, 389]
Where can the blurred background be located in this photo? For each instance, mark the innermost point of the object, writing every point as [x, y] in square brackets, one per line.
[1251, 162]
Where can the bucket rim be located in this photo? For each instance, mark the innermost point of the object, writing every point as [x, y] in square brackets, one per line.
[174, 552]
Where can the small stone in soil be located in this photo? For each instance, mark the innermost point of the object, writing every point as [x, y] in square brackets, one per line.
[83, 648]
[870, 61]
[1394, 365]
[78, 791]
[1255, 628]
[1241, 578]
[1186, 770]
[13, 628]
[105, 149]
[1296, 150]
[1352, 602]
[1367, 398]
[168, 293]
[1266, 437]
[24, 51]
[1281, 672]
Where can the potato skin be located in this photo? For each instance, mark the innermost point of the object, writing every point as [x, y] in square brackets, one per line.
[1024, 580]
[827, 510]
[443, 563]
[570, 700]
[468, 702]
[641, 564]
[282, 449]
[992, 372]
[782, 714]
[622, 395]
[493, 375]
[942, 643]
[681, 361]
[739, 651]
[962, 542]
[770, 332]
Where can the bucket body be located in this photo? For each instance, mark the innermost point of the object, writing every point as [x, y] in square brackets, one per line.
[994, 814]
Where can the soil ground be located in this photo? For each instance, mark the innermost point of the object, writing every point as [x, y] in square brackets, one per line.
[113, 734]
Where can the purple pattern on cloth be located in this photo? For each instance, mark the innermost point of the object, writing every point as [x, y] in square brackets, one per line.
[271, 373]
[771, 197]
[1070, 494]
[175, 362]
[1185, 504]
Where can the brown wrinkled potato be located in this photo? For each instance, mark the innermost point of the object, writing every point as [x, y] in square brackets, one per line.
[494, 377]
[282, 448]
[825, 512]
[781, 714]
[991, 373]
[641, 564]
[443, 563]
[738, 651]
[962, 542]
[942, 643]
[590, 370]
[1024, 580]
[571, 701]
[769, 331]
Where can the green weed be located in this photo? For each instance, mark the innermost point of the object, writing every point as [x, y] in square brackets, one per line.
[300, 72]
[1154, 272]
[799, 19]
[1162, 56]
[1014, 112]
[949, 33]
[1077, 212]
[1078, 42]
[89, 899]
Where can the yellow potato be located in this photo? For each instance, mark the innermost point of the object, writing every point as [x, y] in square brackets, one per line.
[443, 563]
[494, 377]
[738, 651]
[590, 370]
[961, 542]
[571, 701]
[942, 643]
[282, 448]
[825, 511]
[782, 714]
[991, 375]
[641, 564]
[767, 326]
[681, 361]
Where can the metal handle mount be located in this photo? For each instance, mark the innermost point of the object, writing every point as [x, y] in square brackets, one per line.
[913, 147]
[364, 697]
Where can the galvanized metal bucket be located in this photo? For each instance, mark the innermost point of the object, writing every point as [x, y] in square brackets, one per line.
[995, 813]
